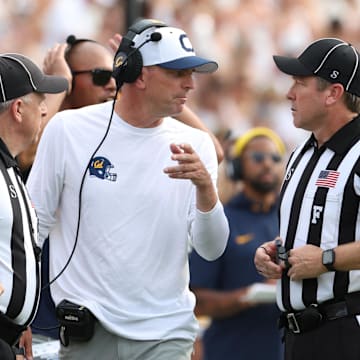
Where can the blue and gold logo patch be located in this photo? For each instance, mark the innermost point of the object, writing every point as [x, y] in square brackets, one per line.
[244, 239]
[100, 167]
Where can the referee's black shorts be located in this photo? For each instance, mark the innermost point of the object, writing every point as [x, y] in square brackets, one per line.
[333, 340]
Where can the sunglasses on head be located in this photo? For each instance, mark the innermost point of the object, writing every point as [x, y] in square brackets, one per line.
[100, 77]
[259, 157]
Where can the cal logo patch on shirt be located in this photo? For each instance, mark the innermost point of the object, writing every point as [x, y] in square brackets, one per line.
[243, 239]
[100, 167]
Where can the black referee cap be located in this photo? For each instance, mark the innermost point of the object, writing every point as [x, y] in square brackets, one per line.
[20, 76]
[331, 59]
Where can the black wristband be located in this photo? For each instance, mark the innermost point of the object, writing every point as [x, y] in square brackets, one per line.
[328, 259]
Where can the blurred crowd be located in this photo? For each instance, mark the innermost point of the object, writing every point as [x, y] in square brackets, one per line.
[242, 35]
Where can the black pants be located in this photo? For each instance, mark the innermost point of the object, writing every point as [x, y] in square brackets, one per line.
[333, 340]
[6, 352]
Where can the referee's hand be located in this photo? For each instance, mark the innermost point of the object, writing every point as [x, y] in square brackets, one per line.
[265, 261]
[305, 262]
[25, 344]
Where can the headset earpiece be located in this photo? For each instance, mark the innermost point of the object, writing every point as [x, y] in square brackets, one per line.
[128, 61]
[234, 169]
[127, 68]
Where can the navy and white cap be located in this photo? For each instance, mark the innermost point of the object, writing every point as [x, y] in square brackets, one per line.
[172, 51]
[329, 58]
[20, 76]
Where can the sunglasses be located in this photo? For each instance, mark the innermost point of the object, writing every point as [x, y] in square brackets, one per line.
[259, 157]
[100, 77]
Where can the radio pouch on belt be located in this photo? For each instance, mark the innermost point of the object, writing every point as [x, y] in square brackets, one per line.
[76, 322]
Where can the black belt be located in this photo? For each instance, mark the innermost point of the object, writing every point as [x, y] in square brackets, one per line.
[315, 315]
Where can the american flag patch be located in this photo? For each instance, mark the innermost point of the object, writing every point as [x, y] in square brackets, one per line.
[327, 178]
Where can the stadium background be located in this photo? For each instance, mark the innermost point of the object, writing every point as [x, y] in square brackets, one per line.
[242, 35]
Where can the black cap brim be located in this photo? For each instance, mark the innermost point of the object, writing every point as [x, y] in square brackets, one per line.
[52, 85]
[291, 66]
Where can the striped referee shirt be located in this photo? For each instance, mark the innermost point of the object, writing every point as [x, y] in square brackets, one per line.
[19, 270]
[319, 205]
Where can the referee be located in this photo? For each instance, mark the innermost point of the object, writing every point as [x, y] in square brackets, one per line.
[22, 107]
[319, 271]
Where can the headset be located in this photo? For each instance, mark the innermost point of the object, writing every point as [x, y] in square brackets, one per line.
[128, 61]
[234, 164]
[234, 169]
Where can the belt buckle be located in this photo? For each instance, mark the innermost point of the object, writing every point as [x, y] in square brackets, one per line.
[293, 324]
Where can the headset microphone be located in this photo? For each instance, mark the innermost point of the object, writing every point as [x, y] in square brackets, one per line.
[155, 36]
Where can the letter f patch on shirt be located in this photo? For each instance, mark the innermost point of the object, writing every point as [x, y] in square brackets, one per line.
[316, 213]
